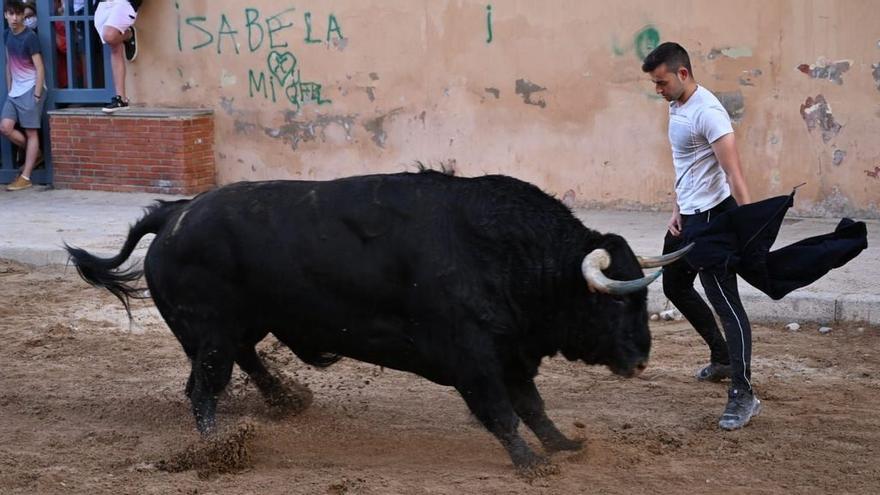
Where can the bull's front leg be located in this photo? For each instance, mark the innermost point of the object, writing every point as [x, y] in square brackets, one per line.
[488, 401]
[529, 405]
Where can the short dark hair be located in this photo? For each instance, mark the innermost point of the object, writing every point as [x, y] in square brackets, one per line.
[14, 6]
[669, 53]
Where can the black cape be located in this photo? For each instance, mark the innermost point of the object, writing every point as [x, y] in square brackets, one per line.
[739, 241]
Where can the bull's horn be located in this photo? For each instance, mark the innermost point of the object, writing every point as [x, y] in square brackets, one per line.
[655, 261]
[598, 260]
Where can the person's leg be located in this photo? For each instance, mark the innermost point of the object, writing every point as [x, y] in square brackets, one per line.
[32, 153]
[723, 294]
[7, 128]
[742, 402]
[114, 39]
[678, 286]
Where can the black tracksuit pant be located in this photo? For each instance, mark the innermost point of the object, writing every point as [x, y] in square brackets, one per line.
[723, 295]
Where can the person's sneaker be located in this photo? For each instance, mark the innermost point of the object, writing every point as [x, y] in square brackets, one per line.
[742, 406]
[18, 184]
[130, 45]
[713, 372]
[117, 103]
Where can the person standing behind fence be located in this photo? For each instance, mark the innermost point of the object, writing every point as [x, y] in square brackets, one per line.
[114, 21]
[25, 78]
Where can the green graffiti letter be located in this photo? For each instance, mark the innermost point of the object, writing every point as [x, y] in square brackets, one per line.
[250, 16]
[646, 40]
[279, 26]
[308, 18]
[179, 41]
[489, 23]
[258, 84]
[226, 28]
[333, 27]
[192, 22]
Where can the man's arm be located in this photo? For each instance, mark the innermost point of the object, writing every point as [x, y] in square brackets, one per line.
[41, 75]
[725, 150]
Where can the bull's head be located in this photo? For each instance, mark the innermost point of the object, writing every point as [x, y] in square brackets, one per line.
[621, 314]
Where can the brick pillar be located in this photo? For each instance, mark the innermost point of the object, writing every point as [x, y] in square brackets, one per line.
[168, 151]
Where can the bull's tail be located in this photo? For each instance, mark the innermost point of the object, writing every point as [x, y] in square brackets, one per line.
[104, 272]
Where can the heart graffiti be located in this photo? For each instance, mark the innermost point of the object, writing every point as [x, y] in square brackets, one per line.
[281, 65]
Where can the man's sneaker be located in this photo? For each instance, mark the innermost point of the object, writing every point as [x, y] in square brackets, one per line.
[742, 406]
[117, 103]
[130, 45]
[19, 183]
[713, 372]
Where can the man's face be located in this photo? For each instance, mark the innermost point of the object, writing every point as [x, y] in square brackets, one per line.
[14, 19]
[669, 85]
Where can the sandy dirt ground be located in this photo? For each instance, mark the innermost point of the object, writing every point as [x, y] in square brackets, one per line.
[92, 404]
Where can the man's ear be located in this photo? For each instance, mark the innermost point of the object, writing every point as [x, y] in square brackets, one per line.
[683, 73]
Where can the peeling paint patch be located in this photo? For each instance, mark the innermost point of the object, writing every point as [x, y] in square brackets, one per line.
[734, 103]
[730, 52]
[876, 74]
[569, 199]
[823, 69]
[227, 79]
[339, 43]
[295, 132]
[374, 76]
[816, 112]
[745, 79]
[376, 127]
[242, 127]
[874, 174]
[837, 157]
[526, 88]
[494, 92]
[370, 92]
[226, 105]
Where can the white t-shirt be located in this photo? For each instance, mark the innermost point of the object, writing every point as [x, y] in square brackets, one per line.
[700, 182]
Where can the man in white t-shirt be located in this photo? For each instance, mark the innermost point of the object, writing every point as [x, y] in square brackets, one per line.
[708, 181]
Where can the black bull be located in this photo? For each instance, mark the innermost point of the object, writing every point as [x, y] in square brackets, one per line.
[468, 282]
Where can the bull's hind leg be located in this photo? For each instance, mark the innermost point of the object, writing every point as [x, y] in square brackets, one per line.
[278, 396]
[529, 406]
[211, 371]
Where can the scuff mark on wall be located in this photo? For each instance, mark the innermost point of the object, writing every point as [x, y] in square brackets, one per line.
[241, 126]
[376, 127]
[816, 112]
[823, 69]
[526, 88]
[730, 52]
[227, 79]
[875, 174]
[837, 157]
[745, 79]
[734, 103]
[876, 74]
[295, 132]
[494, 92]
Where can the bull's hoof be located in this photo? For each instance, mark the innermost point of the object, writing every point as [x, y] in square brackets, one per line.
[540, 469]
[285, 401]
[562, 443]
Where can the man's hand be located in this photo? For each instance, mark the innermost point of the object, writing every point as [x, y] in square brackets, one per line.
[674, 225]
